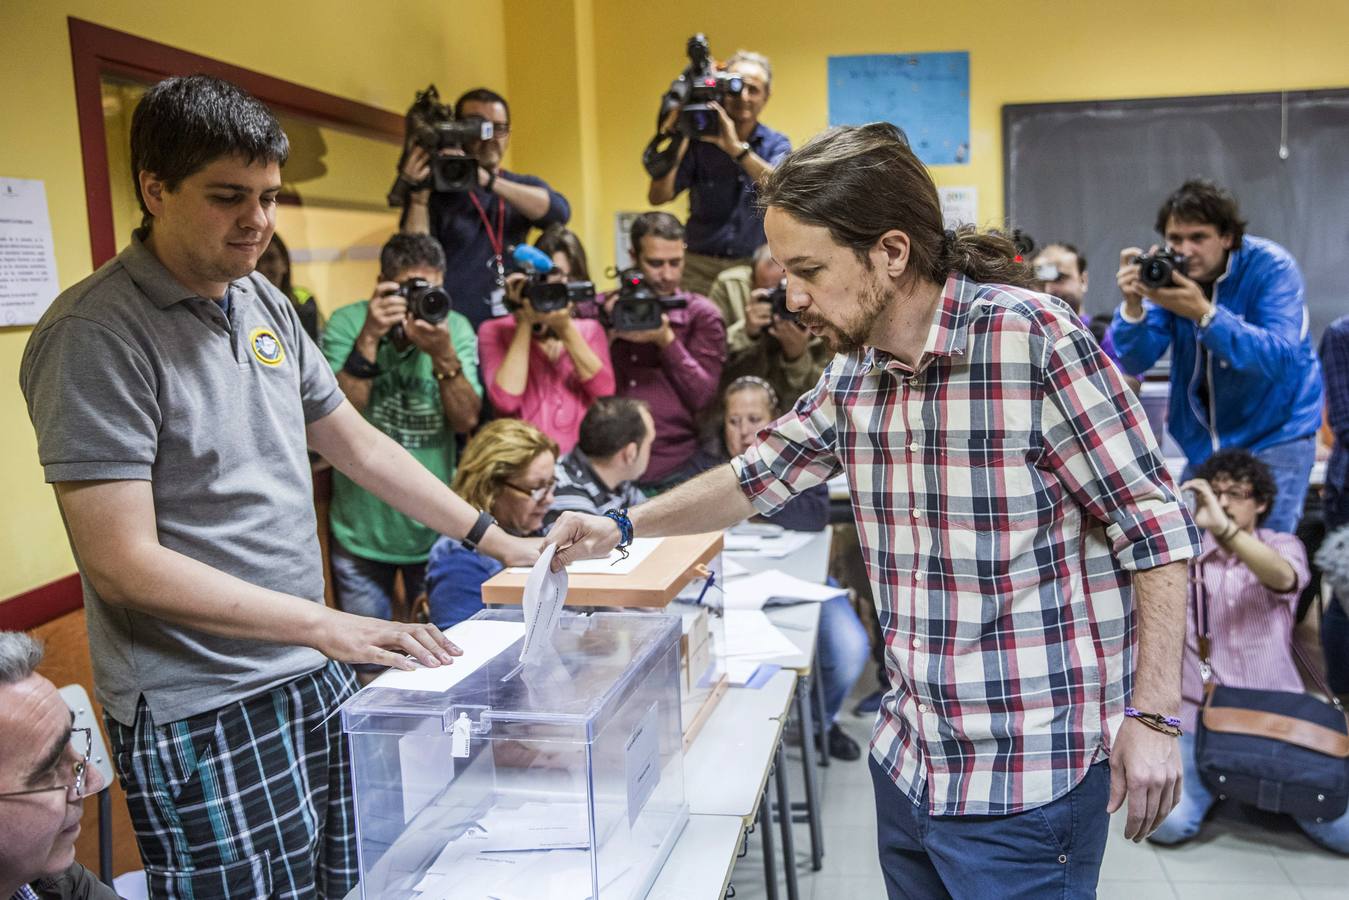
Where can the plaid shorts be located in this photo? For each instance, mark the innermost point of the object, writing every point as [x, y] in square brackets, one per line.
[251, 800]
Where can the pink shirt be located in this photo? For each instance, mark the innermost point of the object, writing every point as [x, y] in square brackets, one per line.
[1251, 627]
[555, 398]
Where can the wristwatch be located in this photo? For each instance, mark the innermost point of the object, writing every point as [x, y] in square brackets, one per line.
[448, 376]
[744, 151]
[1207, 318]
[475, 534]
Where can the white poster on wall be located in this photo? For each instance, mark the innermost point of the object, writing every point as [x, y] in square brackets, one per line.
[28, 282]
[623, 239]
[959, 205]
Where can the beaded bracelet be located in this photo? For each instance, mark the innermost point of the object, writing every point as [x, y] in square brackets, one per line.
[1168, 725]
[620, 517]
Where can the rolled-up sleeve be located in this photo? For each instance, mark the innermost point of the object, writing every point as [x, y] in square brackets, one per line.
[793, 454]
[1099, 446]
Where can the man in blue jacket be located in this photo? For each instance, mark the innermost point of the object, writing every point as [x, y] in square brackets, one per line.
[1243, 369]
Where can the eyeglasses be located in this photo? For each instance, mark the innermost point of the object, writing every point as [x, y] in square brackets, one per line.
[78, 770]
[501, 129]
[1236, 493]
[535, 494]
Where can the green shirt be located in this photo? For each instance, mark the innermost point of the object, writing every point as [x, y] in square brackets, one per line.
[405, 405]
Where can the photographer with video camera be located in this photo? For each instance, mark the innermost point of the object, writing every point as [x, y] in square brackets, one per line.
[1230, 306]
[451, 185]
[717, 150]
[668, 346]
[409, 364]
[541, 363]
[764, 338]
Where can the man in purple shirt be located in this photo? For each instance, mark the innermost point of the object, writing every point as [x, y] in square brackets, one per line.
[675, 368]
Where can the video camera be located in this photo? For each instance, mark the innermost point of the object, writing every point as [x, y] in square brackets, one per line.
[431, 125]
[692, 93]
[638, 306]
[544, 295]
[778, 297]
[1154, 269]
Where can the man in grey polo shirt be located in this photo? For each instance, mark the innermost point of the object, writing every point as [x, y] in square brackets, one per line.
[174, 395]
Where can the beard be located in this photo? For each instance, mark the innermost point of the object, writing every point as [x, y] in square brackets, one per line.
[852, 335]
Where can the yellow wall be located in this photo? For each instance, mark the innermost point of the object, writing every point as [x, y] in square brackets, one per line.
[377, 53]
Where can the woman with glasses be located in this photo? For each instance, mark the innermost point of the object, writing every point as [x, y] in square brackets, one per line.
[506, 471]
[1252, 578]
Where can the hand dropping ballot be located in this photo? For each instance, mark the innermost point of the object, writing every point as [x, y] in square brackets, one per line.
[545, 592]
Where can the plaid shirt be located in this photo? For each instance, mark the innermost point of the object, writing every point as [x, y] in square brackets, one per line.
[1004, 491]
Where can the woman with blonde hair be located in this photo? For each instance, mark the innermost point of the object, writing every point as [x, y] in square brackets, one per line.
[506, 470]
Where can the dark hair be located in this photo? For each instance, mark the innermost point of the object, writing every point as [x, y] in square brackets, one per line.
[655, 224]
[560, 239]
[1077, 254]
[183, 124]
[861, 181]
[406, 251]
[480, 95]
[1242, 466]
[280, 246]
[1200, 200]
[611, 424]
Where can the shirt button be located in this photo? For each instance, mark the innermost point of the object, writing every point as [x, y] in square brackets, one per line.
[915, 513]
[922, 707]
[917, 643]
[632, 382]
[913, 446]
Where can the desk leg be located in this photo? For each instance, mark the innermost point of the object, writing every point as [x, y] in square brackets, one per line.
[770, 872]
[804, 718]
[821, 726]
[785, 820]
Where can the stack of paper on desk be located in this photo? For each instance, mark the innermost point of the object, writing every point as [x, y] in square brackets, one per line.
[772, 588]
[769, 546]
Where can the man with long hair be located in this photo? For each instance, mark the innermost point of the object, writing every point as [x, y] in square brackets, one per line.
[1024, 542]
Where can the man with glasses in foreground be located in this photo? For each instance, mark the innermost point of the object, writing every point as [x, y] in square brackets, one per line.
[44, 777]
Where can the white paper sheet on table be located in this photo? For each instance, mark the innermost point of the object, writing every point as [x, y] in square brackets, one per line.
[481, 642]
[773, 588]
[769, 547]
[613, 564]
[749, 633]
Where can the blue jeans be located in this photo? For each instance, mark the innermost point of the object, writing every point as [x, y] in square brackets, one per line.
[844, 650]
[365, 587]
[1335, 644]
[1195, 802]
[1053, 850]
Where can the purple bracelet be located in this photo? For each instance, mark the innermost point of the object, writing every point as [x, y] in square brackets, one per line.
[1165, 720]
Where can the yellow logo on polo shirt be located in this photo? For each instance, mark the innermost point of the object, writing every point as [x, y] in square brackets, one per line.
[266, 347]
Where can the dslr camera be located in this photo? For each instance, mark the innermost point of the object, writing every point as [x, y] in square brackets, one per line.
[432, 126]
[1154, 269]
[778, 297]
[638, 306]
[425, 301]
[692, 93]
[544, 295]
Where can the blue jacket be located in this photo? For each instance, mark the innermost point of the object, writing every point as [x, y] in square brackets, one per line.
[1262, 375]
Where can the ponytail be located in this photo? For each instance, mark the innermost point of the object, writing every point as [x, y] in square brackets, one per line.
[987, 257]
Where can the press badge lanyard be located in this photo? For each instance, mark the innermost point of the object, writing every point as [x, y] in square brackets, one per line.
[497, 239]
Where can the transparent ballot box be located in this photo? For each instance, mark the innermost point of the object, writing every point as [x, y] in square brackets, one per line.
[561, 779]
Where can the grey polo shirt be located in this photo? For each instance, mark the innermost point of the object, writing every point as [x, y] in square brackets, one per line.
[130, 376]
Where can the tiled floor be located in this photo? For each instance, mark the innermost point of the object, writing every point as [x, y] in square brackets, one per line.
[1239, 854]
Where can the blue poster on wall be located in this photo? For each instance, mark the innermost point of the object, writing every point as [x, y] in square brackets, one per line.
[926, 94]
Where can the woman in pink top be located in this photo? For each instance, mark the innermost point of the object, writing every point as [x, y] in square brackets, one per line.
[546, 368]
[1252, 578]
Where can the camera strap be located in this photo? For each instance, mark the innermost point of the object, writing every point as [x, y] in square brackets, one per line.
[496, 238]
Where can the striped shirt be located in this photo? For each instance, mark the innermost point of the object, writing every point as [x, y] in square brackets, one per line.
[580, 489]
[1004, 491]
[1251, 627]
